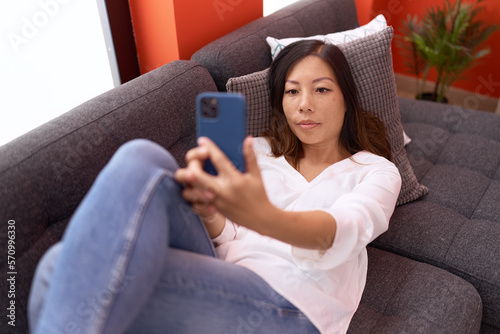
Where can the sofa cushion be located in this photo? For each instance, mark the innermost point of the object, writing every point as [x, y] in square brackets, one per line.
[455, 153]
[370, 60]
[406, 296]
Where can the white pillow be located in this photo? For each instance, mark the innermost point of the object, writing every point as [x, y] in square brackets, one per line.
[407, 139]
[379, 23]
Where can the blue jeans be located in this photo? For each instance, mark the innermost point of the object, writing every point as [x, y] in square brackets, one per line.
[136, 259]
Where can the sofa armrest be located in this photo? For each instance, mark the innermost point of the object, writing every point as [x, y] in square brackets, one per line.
[44, 174]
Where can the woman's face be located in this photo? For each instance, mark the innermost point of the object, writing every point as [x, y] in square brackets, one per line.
[313, 102]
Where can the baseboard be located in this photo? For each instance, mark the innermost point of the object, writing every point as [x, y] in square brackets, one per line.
[456, 96]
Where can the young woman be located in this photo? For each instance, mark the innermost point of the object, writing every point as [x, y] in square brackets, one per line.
[290, 233]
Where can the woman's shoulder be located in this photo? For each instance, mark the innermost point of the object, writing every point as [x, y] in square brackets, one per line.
[372, 160]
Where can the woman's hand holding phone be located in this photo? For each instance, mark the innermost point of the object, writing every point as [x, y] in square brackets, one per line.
[241, 197]
[222, 176]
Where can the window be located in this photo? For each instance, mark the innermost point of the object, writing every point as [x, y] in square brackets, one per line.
[53, 58]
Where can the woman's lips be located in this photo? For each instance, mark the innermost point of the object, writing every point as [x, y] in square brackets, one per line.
[307, 125]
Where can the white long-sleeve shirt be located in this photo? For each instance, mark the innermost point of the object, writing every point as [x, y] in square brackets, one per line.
[360, 193]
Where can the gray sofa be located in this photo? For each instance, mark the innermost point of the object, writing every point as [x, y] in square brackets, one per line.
[437, 268]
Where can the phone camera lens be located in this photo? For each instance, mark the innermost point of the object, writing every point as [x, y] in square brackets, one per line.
[209, 107]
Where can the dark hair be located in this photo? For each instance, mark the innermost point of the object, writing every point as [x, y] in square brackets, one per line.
[360, 131]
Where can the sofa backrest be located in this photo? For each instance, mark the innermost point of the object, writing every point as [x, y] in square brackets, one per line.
[245, 50]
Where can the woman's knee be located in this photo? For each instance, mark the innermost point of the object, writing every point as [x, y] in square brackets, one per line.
[140, 152]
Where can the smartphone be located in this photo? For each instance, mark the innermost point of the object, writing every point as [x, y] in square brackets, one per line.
[222, 118]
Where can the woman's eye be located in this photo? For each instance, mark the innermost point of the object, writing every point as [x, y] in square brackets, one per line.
[291, 92]
[323, 90]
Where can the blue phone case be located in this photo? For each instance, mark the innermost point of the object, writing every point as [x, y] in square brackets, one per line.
[222, 118]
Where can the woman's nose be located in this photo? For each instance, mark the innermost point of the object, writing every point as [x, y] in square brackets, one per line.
[306, 103]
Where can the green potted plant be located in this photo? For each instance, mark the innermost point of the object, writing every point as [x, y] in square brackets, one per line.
[447, 39]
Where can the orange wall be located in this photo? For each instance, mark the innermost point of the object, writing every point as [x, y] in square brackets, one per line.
[167, 30]
[483, 79]
[364, 8]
